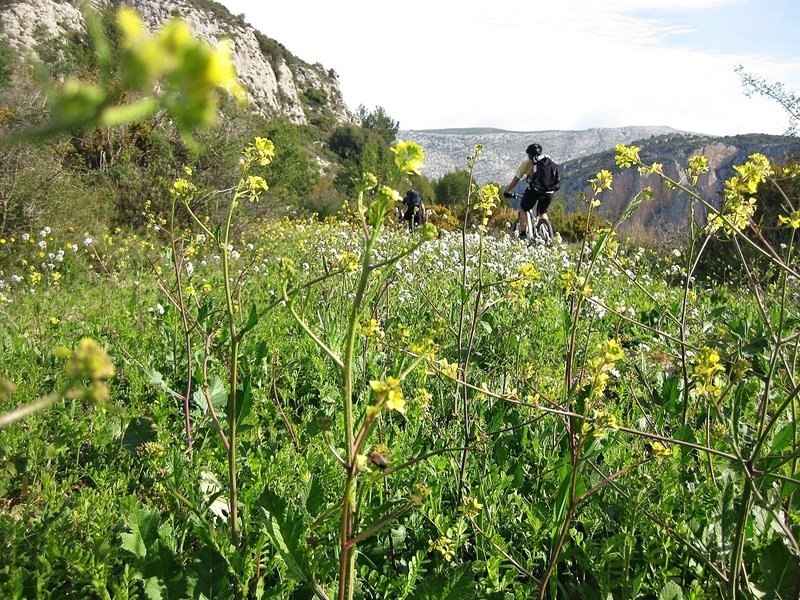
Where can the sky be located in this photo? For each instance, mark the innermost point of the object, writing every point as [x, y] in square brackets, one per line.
[535, 66]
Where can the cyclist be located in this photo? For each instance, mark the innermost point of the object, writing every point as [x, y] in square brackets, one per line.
[413, 210]
[531, 198]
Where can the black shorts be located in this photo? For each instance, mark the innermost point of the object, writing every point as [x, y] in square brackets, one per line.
[531, 198]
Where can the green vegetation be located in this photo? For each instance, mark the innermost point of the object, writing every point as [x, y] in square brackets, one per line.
[214, 401]
[633, 436]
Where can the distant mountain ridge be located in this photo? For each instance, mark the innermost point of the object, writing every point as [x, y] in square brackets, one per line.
[581, 154]
[446, 150]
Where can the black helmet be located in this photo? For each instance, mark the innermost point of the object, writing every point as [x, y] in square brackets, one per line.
[533, 150]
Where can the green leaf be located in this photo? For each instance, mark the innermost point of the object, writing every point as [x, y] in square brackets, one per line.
[286, 529]
[252, 321]
[157, 379]
[245, 400]
[779, 572]
[782, 438]
[671, 591]
[598, 245]
[138, 432]
[451, 585]
[315, 496]
[143, 524]
[218, 394]
[212, 573]
[562, 498]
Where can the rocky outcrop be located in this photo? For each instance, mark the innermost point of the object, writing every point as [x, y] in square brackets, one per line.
[277, 83]
[668, 212]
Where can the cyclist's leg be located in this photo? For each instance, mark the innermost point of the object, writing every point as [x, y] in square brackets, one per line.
[527, 202]
[542, 204]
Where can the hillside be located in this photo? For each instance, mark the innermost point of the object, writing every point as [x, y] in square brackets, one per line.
[667, 211]
[277, 82]
[281, 85]
[582, 154]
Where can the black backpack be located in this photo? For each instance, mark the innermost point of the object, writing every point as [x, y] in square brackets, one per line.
[545, 178]
[413, 206]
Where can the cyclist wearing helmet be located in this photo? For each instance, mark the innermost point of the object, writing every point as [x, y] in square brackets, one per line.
[531, 198]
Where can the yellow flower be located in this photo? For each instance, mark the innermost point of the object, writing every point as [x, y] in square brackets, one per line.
[470, 506]
[260, 152]
[707, 364]
[793, 220]
[255, 185]
[221, 72]
[626, 156]
[601, 181]
[448, 369]
[90, 361]
[408, 157]
[389, 394]
[659, 451]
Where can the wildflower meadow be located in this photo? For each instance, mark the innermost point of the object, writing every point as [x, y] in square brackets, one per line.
[222, 405]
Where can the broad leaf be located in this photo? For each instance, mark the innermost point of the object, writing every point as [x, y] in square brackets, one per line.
[143, 524]
[457, 585]
[671, 591]
[138, 432]
[286, 530]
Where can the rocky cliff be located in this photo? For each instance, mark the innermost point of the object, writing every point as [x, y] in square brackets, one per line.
[277, 83]
[668, 212]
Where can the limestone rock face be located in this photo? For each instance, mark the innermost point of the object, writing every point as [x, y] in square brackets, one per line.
[25, 24]
[669, 210]
[275, 86]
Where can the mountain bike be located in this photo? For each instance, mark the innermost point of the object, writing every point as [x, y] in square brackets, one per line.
[541, 232]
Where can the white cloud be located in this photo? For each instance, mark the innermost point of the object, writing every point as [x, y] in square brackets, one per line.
[452, 64]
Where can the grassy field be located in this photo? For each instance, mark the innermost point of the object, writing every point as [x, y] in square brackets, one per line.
[341, 409]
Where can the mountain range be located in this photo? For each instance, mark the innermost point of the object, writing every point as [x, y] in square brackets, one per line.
[446, 150]
[581, 154]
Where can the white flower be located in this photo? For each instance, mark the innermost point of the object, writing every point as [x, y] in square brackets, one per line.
[26, 237]
[189, 268]
[88, 241]
[159, 308]
[42, 244]
[676, 253]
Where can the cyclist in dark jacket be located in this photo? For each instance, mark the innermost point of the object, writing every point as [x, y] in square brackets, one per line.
[413, 210]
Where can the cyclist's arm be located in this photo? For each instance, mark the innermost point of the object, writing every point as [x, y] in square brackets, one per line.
[512, 185]
[522, 171]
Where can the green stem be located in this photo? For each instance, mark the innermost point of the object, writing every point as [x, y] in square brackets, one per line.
[233, 518]
[347, 551]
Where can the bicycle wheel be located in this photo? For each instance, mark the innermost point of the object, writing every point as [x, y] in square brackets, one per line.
[544, 231]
